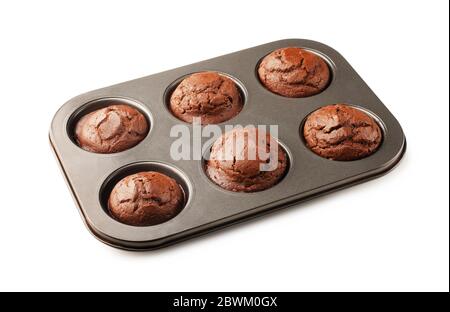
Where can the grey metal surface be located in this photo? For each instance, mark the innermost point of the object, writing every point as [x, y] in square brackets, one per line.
[209, 207]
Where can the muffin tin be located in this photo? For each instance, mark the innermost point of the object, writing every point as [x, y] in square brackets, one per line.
[91, 176]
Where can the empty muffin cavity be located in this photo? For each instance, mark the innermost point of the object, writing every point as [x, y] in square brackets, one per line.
[342, 132]
[212, 96]
[145, 193]
[108, 125]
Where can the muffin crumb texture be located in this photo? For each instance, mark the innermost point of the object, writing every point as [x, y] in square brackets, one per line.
[342, 132]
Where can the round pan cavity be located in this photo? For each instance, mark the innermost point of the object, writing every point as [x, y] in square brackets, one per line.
[99, 104]
[125, 171]
[206, 157]
[242, 93]
[374, 123]
[292, 90]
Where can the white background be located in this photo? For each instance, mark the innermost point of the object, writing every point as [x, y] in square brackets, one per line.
[389, 234]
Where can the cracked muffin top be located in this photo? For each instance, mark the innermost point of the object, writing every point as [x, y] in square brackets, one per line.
[111, 129]
[294, 72]
[145, 198]
[245, 160]
[213, 97]
[342, 132]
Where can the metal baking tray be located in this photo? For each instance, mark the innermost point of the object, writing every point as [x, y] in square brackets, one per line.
[91, 176]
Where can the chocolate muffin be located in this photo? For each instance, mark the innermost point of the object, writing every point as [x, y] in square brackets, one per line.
[239, 167]
[342, 132]
[145, 198]
[213, 97]
[294, 72]
[111, 129]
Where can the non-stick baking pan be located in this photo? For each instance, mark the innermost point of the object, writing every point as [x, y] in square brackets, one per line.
[91, 176]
